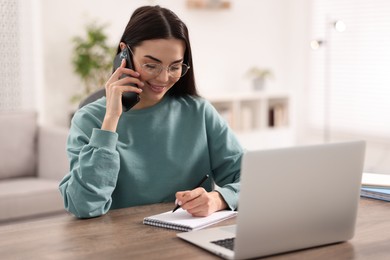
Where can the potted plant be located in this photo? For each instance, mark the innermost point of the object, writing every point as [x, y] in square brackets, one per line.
[92, 60]
[259, 76]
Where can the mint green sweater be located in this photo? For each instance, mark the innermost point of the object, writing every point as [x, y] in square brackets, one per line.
[155, 152]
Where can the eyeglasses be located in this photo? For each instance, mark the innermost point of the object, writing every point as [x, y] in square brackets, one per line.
[177, 70]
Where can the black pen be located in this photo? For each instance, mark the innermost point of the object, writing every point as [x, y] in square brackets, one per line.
[200, 184]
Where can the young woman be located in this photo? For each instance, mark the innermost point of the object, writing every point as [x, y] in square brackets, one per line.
[160, 149]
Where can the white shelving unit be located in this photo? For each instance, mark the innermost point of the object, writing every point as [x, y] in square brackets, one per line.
[260, 119]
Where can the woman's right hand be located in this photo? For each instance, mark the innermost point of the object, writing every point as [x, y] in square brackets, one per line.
[114, 90]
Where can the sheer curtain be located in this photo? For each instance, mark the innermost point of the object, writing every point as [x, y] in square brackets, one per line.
[349, 82]
[10, 90]
[17, 55]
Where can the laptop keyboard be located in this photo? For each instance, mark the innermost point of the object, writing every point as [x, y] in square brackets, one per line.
[226, 243]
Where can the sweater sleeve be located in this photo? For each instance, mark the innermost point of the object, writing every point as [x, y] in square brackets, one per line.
[94, 168]
[225, 156]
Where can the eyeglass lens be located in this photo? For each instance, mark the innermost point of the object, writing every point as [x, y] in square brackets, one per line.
[175, 70]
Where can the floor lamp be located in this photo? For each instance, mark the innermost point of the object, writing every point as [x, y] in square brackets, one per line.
[338, 26]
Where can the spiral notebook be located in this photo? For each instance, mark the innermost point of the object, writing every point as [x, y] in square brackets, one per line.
[183, 221]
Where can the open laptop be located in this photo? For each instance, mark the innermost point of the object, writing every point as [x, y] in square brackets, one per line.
[290, 199]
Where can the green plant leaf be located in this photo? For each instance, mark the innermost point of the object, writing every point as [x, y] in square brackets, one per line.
[92, 59]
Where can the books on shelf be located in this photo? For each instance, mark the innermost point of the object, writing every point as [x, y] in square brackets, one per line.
[277, 115]
[183, 221]
[376, 186]
[247, 120]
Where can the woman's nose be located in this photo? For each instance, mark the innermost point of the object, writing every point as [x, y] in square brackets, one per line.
[164, 75]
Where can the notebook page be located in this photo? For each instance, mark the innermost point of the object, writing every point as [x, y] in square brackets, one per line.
[376, 180]
[182, 220]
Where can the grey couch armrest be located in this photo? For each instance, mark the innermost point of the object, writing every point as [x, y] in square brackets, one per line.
[52, 159]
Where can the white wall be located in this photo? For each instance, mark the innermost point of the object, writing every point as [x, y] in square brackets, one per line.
[225, 43]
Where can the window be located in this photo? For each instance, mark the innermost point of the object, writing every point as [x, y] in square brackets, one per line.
[349, 84]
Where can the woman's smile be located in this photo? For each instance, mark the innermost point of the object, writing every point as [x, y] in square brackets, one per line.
[156, 88]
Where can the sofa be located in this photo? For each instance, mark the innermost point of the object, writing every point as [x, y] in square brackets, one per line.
[32, 163]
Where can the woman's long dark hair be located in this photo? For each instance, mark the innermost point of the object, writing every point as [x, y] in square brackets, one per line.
[155, 22]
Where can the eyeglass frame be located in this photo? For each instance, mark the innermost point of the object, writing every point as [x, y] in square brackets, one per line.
[161, 66]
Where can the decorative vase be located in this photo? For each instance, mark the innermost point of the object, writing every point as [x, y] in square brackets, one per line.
[258, 83]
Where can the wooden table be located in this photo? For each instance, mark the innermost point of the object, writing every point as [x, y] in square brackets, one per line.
[121, 235]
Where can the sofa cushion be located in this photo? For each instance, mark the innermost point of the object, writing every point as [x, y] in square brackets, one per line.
[29, 196]
[52, 160]
[18, 133]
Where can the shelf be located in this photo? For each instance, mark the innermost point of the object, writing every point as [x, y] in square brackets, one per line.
[266, 139]
[251, 111]
[260, 119]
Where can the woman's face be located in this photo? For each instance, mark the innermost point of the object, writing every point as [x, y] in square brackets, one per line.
[165, 52]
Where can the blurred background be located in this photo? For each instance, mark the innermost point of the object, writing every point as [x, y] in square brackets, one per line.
[281, 72]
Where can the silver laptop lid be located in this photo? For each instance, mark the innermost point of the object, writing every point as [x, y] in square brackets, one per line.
[298, 197]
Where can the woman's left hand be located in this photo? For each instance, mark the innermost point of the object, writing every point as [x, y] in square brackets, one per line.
[200, 203]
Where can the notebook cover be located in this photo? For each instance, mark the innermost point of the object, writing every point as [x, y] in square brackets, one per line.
[376, 193]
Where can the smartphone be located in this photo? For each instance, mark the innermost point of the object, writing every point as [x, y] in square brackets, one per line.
[129, 99]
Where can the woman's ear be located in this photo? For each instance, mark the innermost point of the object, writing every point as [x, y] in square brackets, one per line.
[122, 45]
